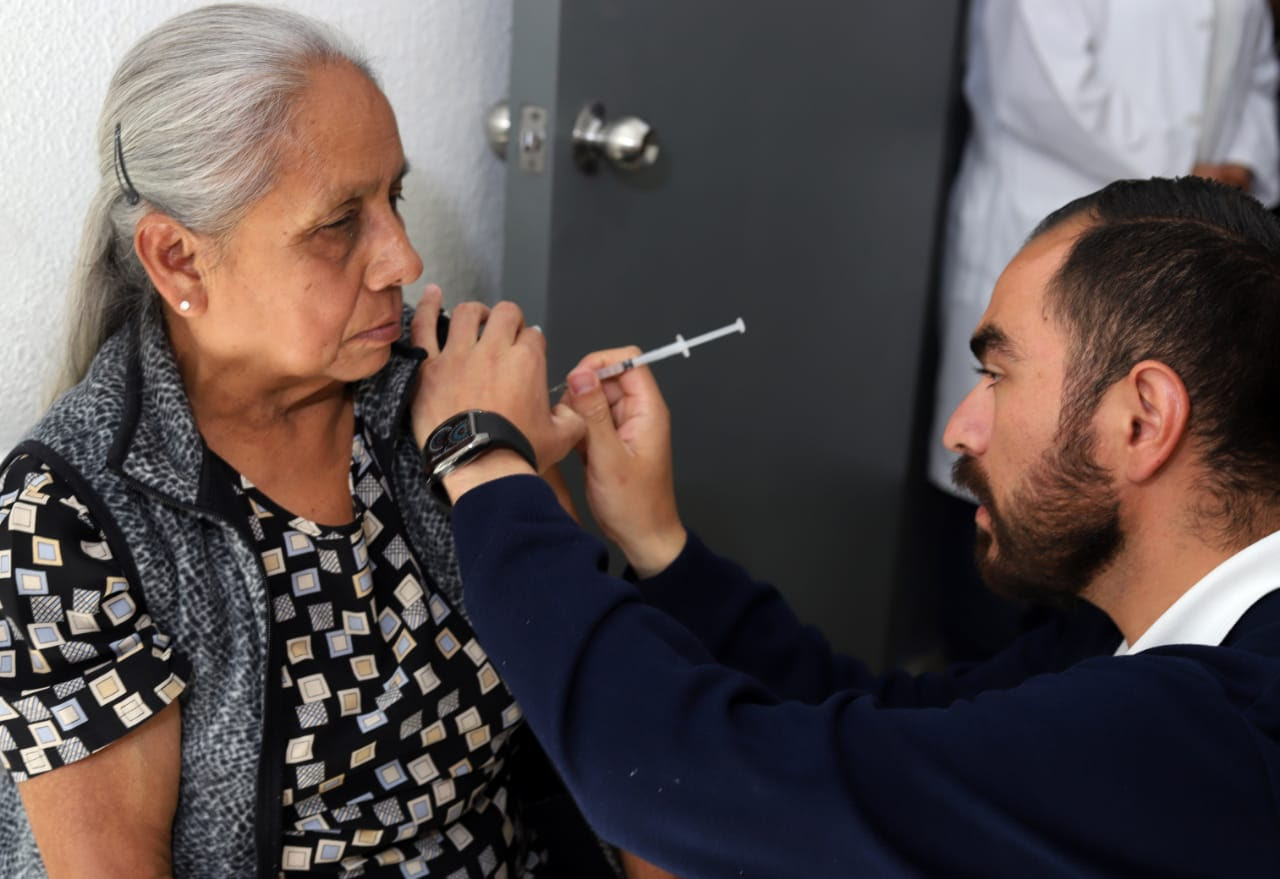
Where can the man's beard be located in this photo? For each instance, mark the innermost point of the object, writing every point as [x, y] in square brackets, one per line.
[1061, 527]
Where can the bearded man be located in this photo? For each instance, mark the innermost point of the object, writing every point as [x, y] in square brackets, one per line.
[1124, 442]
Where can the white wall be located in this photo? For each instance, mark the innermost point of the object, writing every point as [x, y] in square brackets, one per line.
[442, 63]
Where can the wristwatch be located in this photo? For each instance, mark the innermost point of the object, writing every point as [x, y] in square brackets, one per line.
[465, 437]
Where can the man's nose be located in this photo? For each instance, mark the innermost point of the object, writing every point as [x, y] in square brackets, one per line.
[969, 427]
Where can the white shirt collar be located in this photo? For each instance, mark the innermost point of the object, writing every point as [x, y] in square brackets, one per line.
[1205, 613]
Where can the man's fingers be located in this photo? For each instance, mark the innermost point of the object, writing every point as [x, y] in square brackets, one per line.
[587, 397]
[465, 321]
[533, 337]
[599, 359]
[613, 392]
[422, 332]
[608, 357]
[504, 322]
[432, 298]
[570, 430]
[588, 400]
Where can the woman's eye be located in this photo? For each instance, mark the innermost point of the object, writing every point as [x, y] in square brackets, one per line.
[397, 198]
[344, 222]
[337, 239]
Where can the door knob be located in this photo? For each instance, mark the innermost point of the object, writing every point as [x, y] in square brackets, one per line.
[531, 138]
[628, 142]
[497, 127]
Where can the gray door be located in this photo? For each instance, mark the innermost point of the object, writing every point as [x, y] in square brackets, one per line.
[797, 186]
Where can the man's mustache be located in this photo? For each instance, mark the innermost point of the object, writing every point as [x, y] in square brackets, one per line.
[967, 474]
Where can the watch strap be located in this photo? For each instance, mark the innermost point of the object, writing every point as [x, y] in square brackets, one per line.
[464, 437]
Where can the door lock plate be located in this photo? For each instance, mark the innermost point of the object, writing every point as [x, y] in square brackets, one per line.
[532, 142]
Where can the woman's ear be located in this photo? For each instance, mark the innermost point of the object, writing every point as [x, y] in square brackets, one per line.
[1159, 407]
[168, 251]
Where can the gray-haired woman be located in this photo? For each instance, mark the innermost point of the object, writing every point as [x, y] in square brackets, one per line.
[231, 640]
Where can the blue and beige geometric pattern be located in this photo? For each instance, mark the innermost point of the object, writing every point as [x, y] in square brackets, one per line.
[81, 661]
[396, 723]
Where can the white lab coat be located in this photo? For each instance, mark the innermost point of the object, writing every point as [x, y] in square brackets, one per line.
[1068, 95]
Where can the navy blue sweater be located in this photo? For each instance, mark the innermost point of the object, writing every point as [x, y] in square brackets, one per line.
[700, 725]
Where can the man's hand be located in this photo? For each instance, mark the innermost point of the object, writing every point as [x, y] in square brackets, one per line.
[490, 361]
[1227, 172]
[627, 456]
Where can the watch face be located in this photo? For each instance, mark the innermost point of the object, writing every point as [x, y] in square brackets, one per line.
[450, 434]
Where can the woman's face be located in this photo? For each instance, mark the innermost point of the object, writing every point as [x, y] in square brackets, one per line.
[308, 286]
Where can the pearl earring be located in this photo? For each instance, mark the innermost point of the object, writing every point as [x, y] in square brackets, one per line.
[184, 306]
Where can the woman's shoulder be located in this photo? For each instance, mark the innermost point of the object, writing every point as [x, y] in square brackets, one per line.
[82, 424]
[37, 501]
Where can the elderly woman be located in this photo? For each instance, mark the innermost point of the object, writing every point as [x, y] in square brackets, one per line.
[231, 638]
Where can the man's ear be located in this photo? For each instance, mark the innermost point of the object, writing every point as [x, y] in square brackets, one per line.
[1158, 407]
[170, 252]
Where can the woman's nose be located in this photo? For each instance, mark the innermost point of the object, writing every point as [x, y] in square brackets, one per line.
[395, 263]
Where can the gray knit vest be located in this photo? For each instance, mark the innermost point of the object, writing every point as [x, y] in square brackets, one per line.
[126, 441]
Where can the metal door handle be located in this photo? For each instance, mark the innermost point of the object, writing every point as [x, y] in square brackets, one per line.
[531, 138]
[497, 127]
[628, 142]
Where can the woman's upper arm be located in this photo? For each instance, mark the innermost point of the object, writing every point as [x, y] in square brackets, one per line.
[111, 813]
[89, 725]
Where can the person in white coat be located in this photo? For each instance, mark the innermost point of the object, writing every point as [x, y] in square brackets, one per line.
[1065, 96]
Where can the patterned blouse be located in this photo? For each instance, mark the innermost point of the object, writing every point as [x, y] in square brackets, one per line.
[395, 724]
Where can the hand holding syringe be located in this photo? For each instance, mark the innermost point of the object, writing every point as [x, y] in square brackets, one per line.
[679, 346]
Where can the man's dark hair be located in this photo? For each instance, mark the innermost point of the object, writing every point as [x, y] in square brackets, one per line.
[1185, 272]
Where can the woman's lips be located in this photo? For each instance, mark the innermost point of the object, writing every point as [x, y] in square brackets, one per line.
[386, 333]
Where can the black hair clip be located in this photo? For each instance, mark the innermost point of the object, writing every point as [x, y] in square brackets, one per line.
[122, 175]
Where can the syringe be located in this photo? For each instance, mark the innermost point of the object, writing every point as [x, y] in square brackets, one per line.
[679, 346]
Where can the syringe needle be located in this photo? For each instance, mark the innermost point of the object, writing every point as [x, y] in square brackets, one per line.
[679, 346]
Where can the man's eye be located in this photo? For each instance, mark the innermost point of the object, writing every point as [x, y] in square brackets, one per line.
[991, 376]
[343, 222]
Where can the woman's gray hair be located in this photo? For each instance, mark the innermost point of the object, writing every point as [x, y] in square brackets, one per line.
[203, 104]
